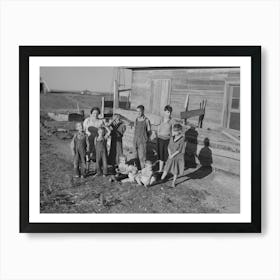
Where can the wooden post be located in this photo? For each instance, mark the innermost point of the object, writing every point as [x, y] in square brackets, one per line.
[102, 107]
[116, 96]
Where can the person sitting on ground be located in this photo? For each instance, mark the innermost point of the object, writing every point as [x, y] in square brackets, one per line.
[122, 170]
[176, 150]
[205, 155]
[145, 176]
[79, 147]
[132, 174]
[101, 150]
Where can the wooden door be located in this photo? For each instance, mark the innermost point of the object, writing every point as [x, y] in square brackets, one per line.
[160, 96]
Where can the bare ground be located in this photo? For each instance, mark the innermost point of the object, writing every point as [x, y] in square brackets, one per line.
[217, 192]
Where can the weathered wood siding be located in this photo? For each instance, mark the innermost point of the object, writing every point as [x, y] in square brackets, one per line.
[198, 83]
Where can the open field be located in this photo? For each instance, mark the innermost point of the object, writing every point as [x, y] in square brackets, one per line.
[60, 102]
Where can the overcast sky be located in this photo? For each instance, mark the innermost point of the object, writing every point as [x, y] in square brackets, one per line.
[81, 78]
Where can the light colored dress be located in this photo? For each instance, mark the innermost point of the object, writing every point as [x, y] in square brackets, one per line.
[176, 164]
[88, 122]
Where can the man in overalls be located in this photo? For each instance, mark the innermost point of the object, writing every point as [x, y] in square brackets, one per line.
[141, 135]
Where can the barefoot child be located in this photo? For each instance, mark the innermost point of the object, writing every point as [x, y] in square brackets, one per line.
[176, 149]
[145, 175]
[79, 146]
[101, 150]
[122, 170]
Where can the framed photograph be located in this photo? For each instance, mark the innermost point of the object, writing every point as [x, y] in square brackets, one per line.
[144, 139]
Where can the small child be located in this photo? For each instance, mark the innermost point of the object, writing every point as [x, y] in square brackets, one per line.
[176, 149]
[79, 147]
[91, 154]
[101, 150]
[122, 170]
[205, 155]
[132, 174]
[145, 176]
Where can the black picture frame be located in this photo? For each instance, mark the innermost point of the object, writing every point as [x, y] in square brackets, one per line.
[25, 52]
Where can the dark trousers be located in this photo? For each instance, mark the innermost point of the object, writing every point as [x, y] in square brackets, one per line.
[101, 162]
[80, 162]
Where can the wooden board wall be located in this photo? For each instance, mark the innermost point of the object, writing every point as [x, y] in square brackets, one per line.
[198, 83]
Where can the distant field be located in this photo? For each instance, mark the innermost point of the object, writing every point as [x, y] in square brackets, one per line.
[68, 102]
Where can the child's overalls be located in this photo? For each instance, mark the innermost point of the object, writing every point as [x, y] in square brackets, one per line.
[140, 140]
[101, 155]
[80, 146]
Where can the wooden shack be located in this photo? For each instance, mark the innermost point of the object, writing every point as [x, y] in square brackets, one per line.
[155, 87]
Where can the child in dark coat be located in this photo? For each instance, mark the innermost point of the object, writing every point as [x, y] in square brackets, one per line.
[79, 147]
[101, 150]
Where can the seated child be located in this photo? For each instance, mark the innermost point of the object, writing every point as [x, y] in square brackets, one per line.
[122, 170]
[205, 155]
[79, 146]
[145, 176]
[132, 174]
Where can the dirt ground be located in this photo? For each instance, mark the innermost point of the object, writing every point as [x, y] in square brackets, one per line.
[196, 192]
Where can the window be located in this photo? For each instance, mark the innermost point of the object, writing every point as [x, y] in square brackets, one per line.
[234, 115]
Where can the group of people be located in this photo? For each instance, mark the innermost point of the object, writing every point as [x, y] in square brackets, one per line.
[90, 144]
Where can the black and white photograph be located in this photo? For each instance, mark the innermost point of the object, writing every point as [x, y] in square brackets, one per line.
[137, 138]
[140, 139]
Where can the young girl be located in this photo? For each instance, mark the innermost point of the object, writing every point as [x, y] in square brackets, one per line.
[176, 149]
[79, 147]
[101, 150]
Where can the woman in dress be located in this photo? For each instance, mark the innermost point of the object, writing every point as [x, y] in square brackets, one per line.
[163, 136]
[91, 125]
[176, 150]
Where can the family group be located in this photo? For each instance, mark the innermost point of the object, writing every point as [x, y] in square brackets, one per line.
[90, 144]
